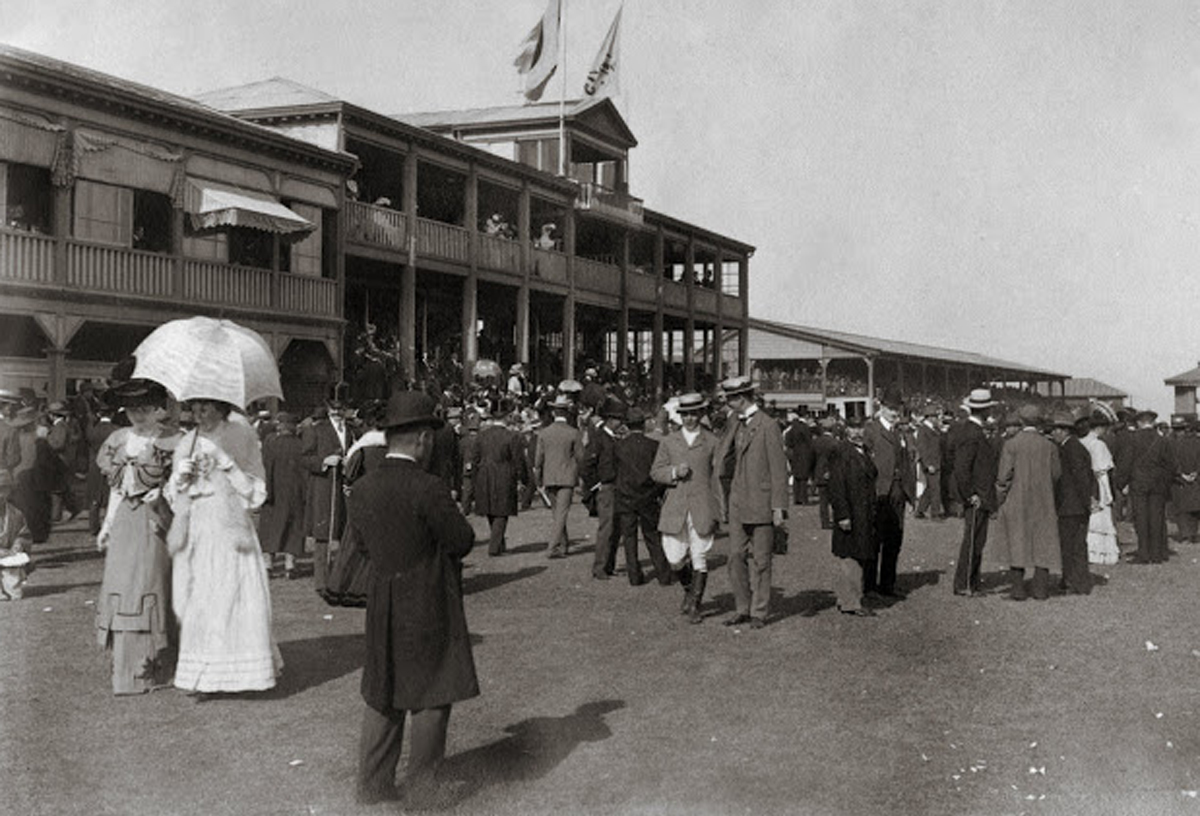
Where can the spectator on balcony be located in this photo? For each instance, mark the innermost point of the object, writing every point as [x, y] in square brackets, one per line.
[498, 226]
[352, 189]
[546, 239]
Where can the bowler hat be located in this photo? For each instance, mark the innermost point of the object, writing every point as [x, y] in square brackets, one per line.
[737, 385]
[612, 408]
[635, 418]
[136, 393]
[1030, 414]
[979, 399]
[687, 403]
[1146, 416]
[411, 409]
[1063, 419]
[892, 398]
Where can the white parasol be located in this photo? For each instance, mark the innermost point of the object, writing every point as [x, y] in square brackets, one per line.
[206, 358]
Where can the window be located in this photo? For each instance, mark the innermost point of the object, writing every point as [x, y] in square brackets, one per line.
[251, 247]
[539, 153]
[206, 246]
[305, 254]
[25, 197]
[107, 214]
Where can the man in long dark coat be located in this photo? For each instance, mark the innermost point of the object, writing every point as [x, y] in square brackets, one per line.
[929, 452]
[852, 477]
[499, 466]
[1145, 471]
[798, 441]
[895, 486]
[638, 499]
[824, 445]
[1075, 495]
[599, 474]
[281, 525]
[326, 442]
[418, 649]
[975, 464]
[1185, 492]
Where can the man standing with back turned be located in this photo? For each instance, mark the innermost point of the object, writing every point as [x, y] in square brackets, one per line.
[418, 649]
[757, 503]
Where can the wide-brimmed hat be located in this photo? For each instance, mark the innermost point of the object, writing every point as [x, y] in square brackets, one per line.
[411, 409]
[1146, 416]
[135, 393]
[1029, 414]
[562, 403]
[979, 399]
[737, 385]
[57, 409]
[1179, 422]
[9, 395]
[514, 368]
[1063, 419]
[636, 418]
[613, 408]
[570, 386]
[687, 403]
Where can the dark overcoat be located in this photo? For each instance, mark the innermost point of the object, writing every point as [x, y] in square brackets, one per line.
[799, 442]
[852, 476]
[321, 440]
[1185, 496]
[975, 465]
[636, 490]
[281, 524]
[418, 650]
[1076, 487]
[500, 465]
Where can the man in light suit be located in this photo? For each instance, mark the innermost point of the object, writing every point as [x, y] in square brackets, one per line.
[757, 502]
[556, 469]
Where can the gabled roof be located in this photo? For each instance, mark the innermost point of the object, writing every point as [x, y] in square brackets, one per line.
[590, 114]
[276, 92]
[876, 346]
[1186, 378]
[77, 80]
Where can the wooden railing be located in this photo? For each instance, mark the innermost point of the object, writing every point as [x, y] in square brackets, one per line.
[26, 256]
[303, 295]
[597, 277]
[445, 241]
[116, 269]
[674, 294]
[225, 283]
[378, 226]
[641, 288]
[503, 254]
[705, 300]
[549, 265]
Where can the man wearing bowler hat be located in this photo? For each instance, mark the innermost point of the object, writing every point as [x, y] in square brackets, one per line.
[418, 650]
[757, 501]
[1145, 472]
[1076, 495]
[895, 486]
[600, 476]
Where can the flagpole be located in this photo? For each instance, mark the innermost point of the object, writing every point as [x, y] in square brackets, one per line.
[562, 99]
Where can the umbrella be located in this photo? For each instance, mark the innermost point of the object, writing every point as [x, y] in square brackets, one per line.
[486, 368]
[205, 358]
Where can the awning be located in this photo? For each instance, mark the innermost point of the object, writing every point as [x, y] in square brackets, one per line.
[211, 205]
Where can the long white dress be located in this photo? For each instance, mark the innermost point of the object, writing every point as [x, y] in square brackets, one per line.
[220, 589]
[1102, 533]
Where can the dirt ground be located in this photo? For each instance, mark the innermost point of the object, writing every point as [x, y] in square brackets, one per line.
[599, 698]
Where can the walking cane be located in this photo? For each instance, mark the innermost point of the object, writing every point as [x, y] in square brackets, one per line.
[334, 544]
[971, 551]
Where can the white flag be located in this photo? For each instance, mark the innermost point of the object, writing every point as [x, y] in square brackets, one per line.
[538, 59]
[602, 79]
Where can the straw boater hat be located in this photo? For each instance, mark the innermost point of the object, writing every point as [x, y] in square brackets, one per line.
[737, 385]
[688, 403]
[8, 395]
[979, 399]
[570, 386]
[562, 403]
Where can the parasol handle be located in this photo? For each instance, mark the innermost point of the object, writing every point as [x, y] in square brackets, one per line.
[333, 494]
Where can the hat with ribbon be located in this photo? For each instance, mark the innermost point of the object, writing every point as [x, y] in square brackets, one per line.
[737, 385]
[979, 399]
[411, 409]
[687, 403]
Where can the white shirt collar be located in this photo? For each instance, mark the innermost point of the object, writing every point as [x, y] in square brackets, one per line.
[404, 456]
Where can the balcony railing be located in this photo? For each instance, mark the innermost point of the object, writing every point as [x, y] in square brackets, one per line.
[603, 201]
[597, 277]
[705, 300]
[675, 294]
[225, 283]
[503, 254]
[641, 288]
[308, 295]
[549, 265]
[26, 257]
[117, 269]
[378, 226]
[446, 241]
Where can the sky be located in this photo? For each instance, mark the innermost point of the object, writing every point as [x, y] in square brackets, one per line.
[1015, 178]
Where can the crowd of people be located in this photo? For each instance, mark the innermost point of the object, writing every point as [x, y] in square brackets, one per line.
[197, 507]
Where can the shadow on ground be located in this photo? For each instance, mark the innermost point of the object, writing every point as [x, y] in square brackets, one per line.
[533, 749]
[33, 590]
[482, 582]
[316, 661]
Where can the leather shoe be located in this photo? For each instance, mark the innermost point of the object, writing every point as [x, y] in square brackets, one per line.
[858, 613]
[600, 575]
[738, 620]
[757, 623]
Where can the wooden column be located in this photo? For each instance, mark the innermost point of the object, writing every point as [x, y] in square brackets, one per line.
[689, 328]
[523, 236]
[719, 331]
[569, 303]
[744, 326]
[408, 273]
[870, 361]
[469, 345]
[656, 352]
[623, 315]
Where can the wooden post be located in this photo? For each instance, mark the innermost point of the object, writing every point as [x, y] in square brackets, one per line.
[656, 352]
[689, 327]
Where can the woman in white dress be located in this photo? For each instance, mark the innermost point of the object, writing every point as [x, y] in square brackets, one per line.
[220, 588]
[1102, 533]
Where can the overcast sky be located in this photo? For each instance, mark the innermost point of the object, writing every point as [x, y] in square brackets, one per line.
[1020, 179]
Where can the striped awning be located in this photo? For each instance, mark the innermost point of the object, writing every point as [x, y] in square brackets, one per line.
[212, 205]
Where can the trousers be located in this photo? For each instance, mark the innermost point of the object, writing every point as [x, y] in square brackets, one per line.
[380, 742]
[751, 548]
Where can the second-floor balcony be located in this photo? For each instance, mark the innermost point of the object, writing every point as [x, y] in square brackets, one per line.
[30, 259]
[603, 201]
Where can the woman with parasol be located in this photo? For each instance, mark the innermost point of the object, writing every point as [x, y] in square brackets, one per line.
[133, 613]
[219, 589]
